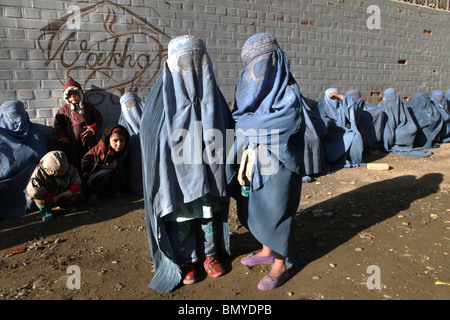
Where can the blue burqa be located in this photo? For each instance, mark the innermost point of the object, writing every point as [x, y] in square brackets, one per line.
[370, 123]
[399, 129]
[343, 143]
[268, 119]
[22, 146]
[443, 106]
[131, 113]
[183, 133]
[428, 120]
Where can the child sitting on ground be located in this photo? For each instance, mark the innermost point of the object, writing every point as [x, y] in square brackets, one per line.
[104, 168]
[54, 182]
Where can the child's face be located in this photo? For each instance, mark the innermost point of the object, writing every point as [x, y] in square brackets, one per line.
[73, 97]
[117, 142]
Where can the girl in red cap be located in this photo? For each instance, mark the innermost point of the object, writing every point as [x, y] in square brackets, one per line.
[76, 123]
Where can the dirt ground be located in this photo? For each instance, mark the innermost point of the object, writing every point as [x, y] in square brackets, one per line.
[363, 235]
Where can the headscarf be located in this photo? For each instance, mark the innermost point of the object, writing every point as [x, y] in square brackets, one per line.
[370, 123]
[343, 142]
[442, 103]
[132, 107]
[103, 151]
[428, 120]
[400, 129]
[22, 145]
[268, 109]
[184, 107]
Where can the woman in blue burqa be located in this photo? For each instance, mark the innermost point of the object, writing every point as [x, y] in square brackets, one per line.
[22, 146]
[267, 162]
[342, 143]
[370, 123]
[428, 120]
[183, 133]
[399, 128]
[131, 113]
[443, 106]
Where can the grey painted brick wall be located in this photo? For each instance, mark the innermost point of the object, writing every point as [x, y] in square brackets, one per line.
[120, 45]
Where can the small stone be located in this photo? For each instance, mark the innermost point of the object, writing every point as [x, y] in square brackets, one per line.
[333, 265]
[38, 284]
[290, 294]
[359, 249]
[316, 278]
[119, 286]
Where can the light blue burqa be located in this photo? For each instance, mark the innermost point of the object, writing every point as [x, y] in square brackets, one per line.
[131, 113]
[268, 116]
[343, 143]
[399, 129]
[428, 120]
[442, 103]
[183, 131]
[22, 146]
[370, 123]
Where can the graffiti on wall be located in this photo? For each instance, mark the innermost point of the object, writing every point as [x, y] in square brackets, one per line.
[124, 56]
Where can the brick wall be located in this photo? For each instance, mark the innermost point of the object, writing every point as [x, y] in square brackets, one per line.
[120, 45]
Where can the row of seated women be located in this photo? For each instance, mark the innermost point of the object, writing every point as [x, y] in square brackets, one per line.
[339, 129]
[348, 125]
[34, 177]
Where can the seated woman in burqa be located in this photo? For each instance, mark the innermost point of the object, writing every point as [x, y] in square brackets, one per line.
[443, 106]
[370, 123]
[399, 128]
[132, 107]
[22, 145]
[343, 143]
[428, 120]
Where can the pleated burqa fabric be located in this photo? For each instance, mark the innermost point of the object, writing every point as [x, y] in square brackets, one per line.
[428, 120]
[399, 129]
[130, 117]
[269, 123]
[22, 146]
[343, 143]
[442, 104]
[183, 131]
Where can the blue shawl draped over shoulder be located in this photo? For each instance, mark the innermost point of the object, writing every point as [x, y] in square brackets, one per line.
[131, 113]
[428, 120]
[343, 142]
[22, 146]
[399, 129]
[183, 131]
[443, 106]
